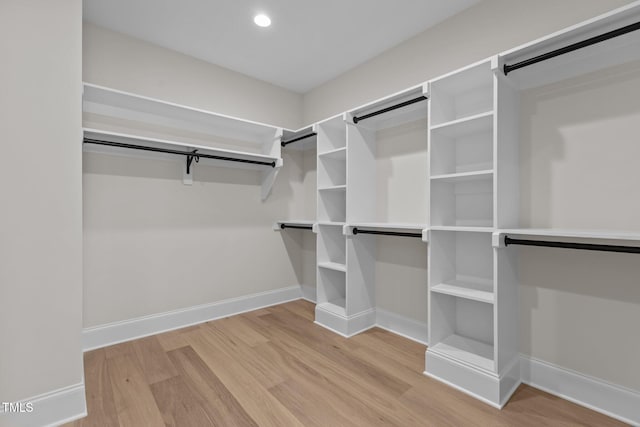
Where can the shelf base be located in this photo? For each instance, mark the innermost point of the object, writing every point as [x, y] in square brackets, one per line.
[493, 389]
[347, 326]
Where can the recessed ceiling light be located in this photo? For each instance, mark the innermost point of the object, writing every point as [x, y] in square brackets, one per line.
[262, 20]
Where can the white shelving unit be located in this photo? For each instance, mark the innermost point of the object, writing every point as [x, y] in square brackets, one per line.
[332, 293]
[362, 127]
[473, 190]
[473, 187]
[140, 122]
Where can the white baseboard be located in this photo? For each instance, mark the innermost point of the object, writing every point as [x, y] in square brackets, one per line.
[308, 293]
[610, 399]
[403, 326]
[347, 326]
[49, 409]
[113, 333]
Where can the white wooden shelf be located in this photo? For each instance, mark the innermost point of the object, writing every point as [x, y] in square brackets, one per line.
[339, 154]
[481, 291]
[331, 223]
[462, 228]
[465, 126]
[463, 176]
[124, 105]
[466, 350]
[116, 110]
[333, 266]
[336, 306]
[333, 188]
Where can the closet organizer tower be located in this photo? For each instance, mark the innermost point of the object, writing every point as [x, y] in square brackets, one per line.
[473, 181]
[348, 221]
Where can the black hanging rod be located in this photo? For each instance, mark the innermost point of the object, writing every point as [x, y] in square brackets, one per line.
[188, 154]
[584, 246]
[283, 143]
[575, 46]
[391, 108]
[386, 233]
[299, 227]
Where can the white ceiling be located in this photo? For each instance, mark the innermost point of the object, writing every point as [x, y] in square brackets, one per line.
[308, 43]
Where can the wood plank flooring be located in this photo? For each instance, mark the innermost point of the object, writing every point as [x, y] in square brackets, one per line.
[275, 367]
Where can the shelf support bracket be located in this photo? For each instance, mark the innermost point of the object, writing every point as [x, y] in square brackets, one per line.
[188, 176]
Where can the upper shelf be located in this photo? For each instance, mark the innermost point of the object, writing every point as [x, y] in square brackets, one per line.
[411, 107]
[127, 106]
[615, 51]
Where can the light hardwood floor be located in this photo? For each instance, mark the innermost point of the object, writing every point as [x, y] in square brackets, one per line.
[275, 367]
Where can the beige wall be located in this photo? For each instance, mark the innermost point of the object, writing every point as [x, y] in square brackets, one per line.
[153, 245]
[401, 196]
[41, 214]
[579, 169]
[483, 30]
[115, 60]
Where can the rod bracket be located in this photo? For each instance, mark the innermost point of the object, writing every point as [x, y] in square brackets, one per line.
[190, 158]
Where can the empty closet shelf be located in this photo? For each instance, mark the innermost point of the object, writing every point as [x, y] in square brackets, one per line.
[336, 154]
[336, 306]
[473, 290]
[462, 228]
[476, 123]
[466, 350]
[333, 188]
[463, 176]
[333, 266]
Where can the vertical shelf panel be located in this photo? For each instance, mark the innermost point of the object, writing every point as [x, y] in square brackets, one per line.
[507, 199]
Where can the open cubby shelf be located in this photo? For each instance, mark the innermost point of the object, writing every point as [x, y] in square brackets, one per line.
[477, 290]
[467, 350]
[463, 201]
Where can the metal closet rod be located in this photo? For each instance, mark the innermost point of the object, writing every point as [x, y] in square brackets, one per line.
[391, 108]
[356, 230]
[283, 143]
[567, 245]
[299, 227]
[575, 46]
[189, 154]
